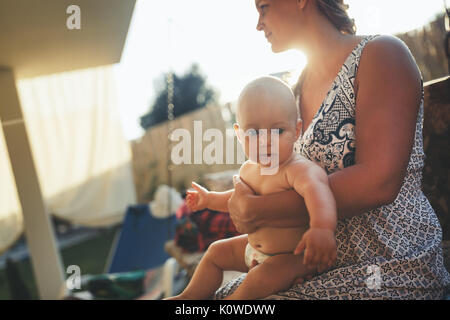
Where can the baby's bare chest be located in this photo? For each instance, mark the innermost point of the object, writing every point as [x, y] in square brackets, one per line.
[266, 184]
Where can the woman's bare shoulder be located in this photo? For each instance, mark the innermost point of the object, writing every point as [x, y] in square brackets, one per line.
[387, 58]
[384, 47]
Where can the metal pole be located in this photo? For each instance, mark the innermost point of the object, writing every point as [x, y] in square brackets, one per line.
[170, 117]
[45, 258]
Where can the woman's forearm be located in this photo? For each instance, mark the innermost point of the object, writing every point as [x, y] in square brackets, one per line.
[356, 190]
[280, 210]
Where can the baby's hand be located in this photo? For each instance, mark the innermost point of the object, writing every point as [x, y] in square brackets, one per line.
[319, 245]
[197, 199]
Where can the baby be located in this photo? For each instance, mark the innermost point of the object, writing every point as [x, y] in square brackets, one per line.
[271, 256]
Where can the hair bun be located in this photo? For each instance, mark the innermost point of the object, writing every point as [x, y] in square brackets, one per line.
[336, 12]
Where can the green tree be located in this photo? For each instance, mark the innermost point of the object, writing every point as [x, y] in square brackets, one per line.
[191, 92]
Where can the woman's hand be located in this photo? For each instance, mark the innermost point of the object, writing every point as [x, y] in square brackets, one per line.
[238, 207]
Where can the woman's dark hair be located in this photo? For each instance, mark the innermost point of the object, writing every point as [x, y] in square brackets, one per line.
[336, 12]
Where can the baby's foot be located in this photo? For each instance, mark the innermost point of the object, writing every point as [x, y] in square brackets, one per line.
[179, 297]
[312, 272]
[174, 298]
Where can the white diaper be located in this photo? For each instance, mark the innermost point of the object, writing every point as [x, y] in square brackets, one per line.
[253, 254]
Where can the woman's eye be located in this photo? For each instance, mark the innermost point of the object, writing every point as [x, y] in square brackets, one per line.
[263, 8]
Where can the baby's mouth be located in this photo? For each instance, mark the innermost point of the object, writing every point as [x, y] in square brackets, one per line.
[267, 156]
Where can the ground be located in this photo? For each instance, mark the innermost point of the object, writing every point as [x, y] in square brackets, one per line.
[90, 255]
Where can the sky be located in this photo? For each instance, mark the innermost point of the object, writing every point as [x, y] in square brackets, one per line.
[221, 37]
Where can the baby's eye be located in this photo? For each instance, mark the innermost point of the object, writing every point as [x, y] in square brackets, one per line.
[277, 131]
[252, 132]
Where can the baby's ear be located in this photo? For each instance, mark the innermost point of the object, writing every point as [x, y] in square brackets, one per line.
[301, 4]
[237, 131]
[298, 128]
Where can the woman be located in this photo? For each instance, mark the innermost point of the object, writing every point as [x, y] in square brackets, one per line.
[361, 102]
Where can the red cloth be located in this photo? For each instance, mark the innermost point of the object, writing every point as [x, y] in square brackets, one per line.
[211, 226]
[183, 210]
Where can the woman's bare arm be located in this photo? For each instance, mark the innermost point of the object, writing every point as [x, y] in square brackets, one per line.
[388, 95]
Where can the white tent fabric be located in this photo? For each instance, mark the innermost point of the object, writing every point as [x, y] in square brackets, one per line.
[81, 155]
[11, 223]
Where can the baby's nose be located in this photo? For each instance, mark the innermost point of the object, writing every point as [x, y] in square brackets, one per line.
[264, 138]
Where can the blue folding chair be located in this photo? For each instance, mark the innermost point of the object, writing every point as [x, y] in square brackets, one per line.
[140, 245]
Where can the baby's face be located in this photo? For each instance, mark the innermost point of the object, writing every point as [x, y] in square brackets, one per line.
[262, 121]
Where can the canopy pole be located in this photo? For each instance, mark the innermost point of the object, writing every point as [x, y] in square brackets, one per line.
[45, 257]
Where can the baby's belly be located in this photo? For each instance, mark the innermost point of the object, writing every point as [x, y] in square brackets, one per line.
[276, 240]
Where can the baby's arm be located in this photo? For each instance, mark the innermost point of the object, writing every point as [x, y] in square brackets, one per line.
[201, 198]
[311, 182]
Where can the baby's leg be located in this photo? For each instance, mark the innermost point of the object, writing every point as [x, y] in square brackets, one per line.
[275, 274]
[227, 254]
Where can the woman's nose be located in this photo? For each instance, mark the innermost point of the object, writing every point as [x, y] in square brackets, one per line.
[259, 26]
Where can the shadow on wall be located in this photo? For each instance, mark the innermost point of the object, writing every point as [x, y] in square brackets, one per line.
[436, 173]
[427, 47]
[150, 153]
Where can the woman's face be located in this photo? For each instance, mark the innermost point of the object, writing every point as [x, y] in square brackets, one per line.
[279, 20]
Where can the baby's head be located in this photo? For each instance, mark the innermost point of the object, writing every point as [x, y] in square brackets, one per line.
[267, 103]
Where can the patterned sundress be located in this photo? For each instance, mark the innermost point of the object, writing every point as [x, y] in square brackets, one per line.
[392, 252]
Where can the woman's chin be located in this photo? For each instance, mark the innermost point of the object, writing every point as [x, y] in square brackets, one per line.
[277, 48]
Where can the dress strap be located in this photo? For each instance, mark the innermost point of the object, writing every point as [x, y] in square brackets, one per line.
[359, 50]
[352, 63]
